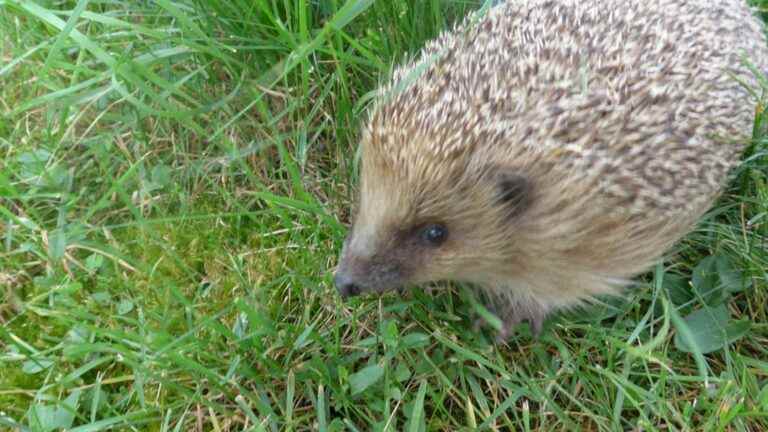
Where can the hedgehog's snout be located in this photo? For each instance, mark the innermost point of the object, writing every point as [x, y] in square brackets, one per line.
[346, 285]
[352, 277]
[361, 270]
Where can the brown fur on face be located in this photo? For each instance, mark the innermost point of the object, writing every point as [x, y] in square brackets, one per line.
[565, 145]
[386, 250]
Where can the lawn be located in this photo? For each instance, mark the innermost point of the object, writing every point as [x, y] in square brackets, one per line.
[176, 179]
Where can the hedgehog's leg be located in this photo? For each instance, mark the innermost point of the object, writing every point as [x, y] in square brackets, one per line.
[513, 311]
[517, 312]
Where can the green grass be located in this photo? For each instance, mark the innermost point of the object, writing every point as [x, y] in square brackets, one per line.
[175, 180]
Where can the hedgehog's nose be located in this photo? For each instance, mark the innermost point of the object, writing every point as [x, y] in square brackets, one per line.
[346, 285]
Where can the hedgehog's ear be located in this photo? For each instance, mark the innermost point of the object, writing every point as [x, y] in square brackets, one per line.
[513, 190]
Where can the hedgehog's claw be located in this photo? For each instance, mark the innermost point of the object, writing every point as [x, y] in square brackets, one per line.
[534, 316]
[511, 315]
[507, 328]
[503, 335]
[537, 325]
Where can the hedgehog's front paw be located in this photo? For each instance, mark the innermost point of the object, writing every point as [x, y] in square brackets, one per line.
[480, 322]
[534, 314]
[511, 313]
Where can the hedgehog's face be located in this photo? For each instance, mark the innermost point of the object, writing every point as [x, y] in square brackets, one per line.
[416, 229]
[378, 261]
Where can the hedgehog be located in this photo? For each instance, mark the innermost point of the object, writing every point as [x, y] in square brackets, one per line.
[549, 152]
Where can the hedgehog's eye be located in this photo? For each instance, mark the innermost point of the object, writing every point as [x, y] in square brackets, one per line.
[434, 234]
